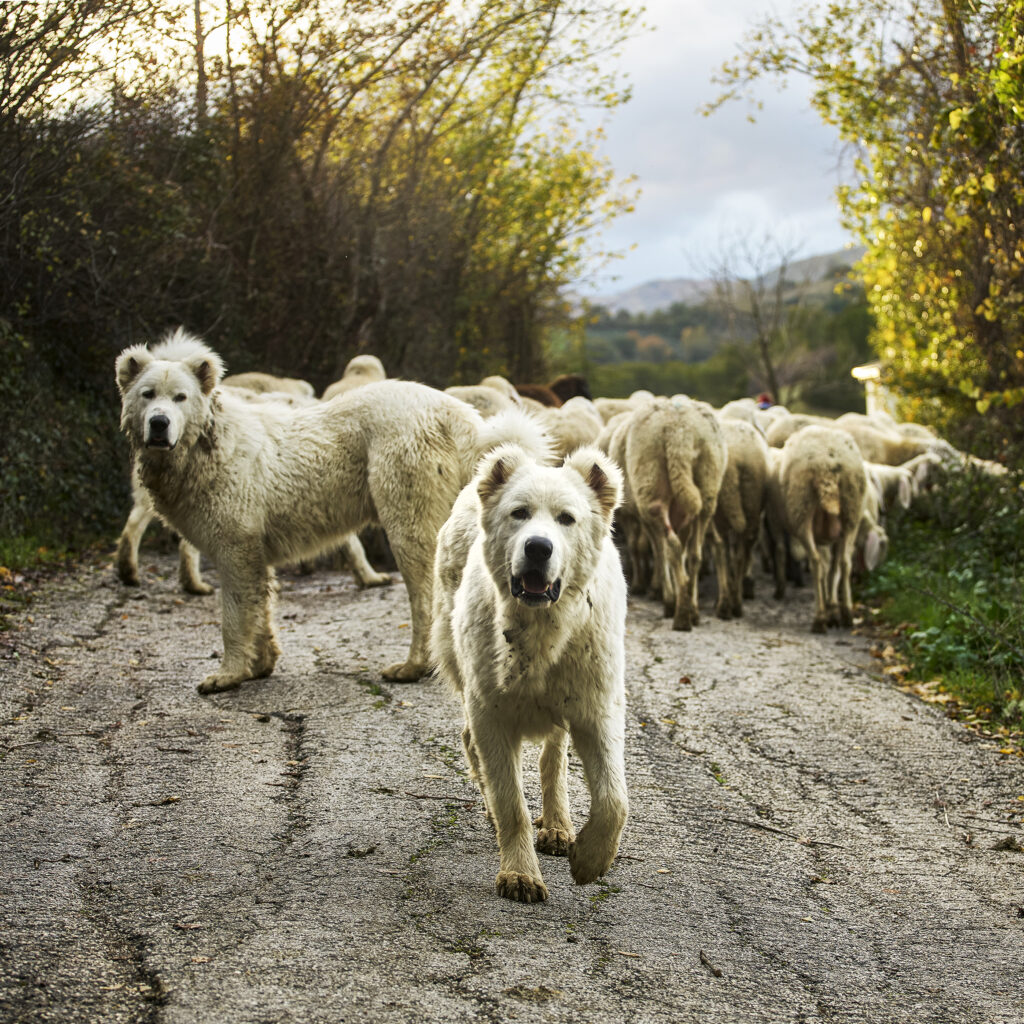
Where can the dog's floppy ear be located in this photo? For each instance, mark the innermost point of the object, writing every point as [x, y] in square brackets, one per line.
[496, 468]
[130, 363]
[600, 474]
[208, 368]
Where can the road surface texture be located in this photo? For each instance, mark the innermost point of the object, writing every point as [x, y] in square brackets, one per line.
[806, 842]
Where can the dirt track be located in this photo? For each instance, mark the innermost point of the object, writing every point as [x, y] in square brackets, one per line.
[806, 842]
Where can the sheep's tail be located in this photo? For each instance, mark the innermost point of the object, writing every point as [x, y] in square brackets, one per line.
[827, 488]
[514, 426]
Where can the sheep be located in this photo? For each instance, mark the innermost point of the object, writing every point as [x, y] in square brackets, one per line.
[887, 447]
[895, 485]
[775, 541]
[823, 482]
[872, 541]
[486, 400]
[258, 383]
[612, 441]
[737, 520]
[572, 425]
[782, 427]
[739, 409]
[539, 393]
[675, 459]
[571, 385]
[359, 371]
[764, 418]
[506, 387]
[609, 408]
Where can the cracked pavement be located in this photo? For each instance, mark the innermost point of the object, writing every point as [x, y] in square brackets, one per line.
[806, 842]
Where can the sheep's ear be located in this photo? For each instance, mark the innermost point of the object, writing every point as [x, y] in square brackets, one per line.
[130, 363]
[497, 469]
[600, 474]
[872, 550]
[905, 490]
[208, 368]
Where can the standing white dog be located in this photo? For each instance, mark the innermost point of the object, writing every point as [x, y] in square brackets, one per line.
[257, 484]
[529, 623]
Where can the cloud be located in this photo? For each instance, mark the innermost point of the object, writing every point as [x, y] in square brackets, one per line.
[699, 175]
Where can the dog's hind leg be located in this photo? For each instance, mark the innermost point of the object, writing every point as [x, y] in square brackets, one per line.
[555, 834]
[601, 750]
[365, 574]
[414, 556]
[188, 570]
[128, 544]
[475, 770]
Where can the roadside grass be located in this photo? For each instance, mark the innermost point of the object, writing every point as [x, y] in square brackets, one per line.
[951, 593]
[25, 561]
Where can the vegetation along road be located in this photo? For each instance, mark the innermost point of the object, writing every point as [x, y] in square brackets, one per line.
[806, 842]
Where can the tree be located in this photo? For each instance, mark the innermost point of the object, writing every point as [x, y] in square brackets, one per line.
[927, 94]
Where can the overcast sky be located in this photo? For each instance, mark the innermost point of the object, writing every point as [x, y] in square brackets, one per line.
[703, 178]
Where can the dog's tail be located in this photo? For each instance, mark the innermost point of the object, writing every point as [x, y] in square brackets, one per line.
[514, 426]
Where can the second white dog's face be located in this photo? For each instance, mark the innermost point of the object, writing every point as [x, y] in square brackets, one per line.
[544, 526]
[161, 399]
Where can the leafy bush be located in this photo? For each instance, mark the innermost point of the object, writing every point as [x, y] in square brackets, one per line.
[63, 462]
[955, 571]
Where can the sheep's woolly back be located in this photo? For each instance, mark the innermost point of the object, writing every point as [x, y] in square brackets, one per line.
[822, 470]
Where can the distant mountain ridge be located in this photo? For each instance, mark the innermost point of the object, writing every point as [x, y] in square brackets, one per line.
[660, 294]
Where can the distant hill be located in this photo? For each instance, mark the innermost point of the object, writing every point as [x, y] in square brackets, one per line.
[656, 295]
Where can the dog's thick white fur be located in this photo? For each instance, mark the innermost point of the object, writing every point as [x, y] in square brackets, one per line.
[253, 485]
[529, 623]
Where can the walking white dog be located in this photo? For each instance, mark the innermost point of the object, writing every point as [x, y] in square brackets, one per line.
[529, 623]
[257, 484]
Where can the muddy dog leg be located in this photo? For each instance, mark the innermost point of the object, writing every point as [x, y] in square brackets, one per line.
[501, 756]
[188, 570]
[247, 600]
[601, 750]
[555, 833]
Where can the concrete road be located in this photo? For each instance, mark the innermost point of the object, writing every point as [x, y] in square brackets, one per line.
[806, 842]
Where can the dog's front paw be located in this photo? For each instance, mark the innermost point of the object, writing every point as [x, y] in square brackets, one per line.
[554, 841]
[219, 681]
[197, 587]
[590, 857]
[514, 885]
[405, 672]
[376, 579]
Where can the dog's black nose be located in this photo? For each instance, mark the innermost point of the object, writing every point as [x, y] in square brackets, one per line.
[538, 549]
[158, 426]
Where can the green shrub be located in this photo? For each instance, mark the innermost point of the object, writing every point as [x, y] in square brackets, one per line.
[63, 463]
[955, 571]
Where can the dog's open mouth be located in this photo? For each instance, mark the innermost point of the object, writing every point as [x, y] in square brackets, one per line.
[533, 589]
[159, 442]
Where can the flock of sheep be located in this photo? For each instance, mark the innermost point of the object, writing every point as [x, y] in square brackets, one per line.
[802, 488]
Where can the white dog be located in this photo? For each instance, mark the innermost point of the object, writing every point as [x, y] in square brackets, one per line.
[529, 622]
[253, 485]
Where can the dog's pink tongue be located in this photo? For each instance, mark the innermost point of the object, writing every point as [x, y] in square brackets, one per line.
[534, 583]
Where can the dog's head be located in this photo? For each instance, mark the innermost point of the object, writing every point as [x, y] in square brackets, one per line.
[165, 391]
[544, 526]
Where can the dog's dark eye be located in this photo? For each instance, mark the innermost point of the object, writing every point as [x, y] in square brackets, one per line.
[520, 513]
[179, 398]
[564, 519]
[148, 393]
